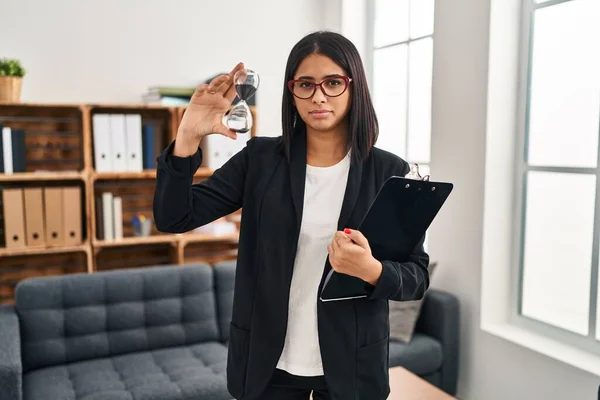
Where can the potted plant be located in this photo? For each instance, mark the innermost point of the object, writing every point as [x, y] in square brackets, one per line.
[11, 76]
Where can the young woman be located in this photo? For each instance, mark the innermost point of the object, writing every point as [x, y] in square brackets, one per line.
[302, 194]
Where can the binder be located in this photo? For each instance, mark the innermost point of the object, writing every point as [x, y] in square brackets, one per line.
[18, 150]
[71, 201]
[211, 148]
[237, 145]
[396, 221]
[149, 150]
[133, 134]
[53, 210]
[7, 148]
[102, 143]
[14, 217]
[118, 142]
[34, 217]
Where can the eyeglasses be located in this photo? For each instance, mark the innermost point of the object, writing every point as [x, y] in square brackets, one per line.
[331, 87]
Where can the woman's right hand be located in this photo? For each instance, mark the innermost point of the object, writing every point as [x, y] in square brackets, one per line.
[203, 115]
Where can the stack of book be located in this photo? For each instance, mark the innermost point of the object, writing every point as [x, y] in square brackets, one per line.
[170, 96]
[109, 217]
[174, 96]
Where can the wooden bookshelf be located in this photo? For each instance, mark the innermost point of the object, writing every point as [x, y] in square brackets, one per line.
[59, 153]
[15, 268]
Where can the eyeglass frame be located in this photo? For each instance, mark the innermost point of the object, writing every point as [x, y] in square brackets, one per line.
[291, 83]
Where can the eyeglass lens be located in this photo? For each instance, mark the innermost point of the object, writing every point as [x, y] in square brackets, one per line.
[332, 87]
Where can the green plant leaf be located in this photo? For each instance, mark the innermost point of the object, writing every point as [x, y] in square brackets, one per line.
[11, 67]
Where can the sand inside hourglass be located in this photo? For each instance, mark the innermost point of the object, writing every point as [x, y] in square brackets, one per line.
[239, 119]
[245, 91]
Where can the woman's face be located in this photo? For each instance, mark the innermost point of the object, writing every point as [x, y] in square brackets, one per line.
[321, 112]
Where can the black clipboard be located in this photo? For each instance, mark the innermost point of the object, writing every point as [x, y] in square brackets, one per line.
[397, 219]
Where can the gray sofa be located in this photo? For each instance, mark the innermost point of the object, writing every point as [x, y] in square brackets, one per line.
[158, 333]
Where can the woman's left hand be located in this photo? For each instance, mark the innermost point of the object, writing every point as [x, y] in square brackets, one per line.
[350, 254]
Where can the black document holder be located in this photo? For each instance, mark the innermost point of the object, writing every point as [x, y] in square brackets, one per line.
[396, 221]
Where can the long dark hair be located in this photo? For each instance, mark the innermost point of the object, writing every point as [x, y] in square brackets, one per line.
[363, 126]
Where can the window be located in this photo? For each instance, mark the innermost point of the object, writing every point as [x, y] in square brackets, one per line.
[402, 39]
[558, 171]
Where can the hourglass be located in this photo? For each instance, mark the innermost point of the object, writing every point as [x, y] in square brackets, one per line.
[239, 118]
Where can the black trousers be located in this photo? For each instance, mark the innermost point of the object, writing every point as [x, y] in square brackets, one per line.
[285, 386]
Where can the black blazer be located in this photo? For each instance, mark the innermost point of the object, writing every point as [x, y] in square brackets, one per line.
[353, 334]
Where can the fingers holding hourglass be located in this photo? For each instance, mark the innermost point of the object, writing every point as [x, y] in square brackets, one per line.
[224, 84]
[217, 83]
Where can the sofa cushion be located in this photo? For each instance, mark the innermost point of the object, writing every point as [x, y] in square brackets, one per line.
[404, 314]
[79, 317]
[179, 373]
[422, 355]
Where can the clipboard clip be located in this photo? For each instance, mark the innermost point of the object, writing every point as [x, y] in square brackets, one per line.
[414, 173]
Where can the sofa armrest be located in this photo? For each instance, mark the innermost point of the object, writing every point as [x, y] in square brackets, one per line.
[10, 354]
[440, 318]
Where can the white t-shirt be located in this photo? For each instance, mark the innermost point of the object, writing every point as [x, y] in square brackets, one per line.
[323, 196]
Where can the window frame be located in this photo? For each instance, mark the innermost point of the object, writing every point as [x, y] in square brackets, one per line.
[587, 343]
[369, 61]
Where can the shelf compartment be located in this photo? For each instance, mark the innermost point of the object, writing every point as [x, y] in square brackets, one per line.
[163, 120]
[15, 269]
[137, 197]
[146, 255]
[209, 252]
[53, 135]
[43, 185]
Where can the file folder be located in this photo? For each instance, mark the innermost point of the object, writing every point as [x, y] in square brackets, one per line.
[53, 210]
[133, 134]
[102, 143]
[148, 146]
[34, 217]
[396, 221]
[118, 142]
[14, 217]
[215, 150]
[71, 201]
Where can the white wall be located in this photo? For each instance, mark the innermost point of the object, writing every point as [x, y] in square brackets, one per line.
[354, 26]
[491, 368]
[113, 50]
